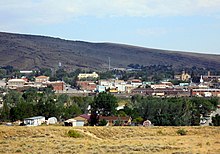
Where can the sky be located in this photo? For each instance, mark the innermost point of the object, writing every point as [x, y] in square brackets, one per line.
[182, 25]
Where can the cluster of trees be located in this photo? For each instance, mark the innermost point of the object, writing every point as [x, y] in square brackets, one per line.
[8, 71]
[160, 111]
[17, 106]
[170, 111]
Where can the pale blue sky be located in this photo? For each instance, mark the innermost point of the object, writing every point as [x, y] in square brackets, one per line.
[185, 25]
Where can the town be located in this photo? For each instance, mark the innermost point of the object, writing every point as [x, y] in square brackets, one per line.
[82, 84]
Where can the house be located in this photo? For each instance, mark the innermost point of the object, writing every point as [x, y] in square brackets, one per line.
[78, 121]
[70, 122]
[210, 78]
[41, 79]
[135, 83]
[205, 92]
[57, 85]
[159, 86]
[87, 75]
[162, 85]
[15, 83]
[81, 121]
[86, 85]
[100, 88]
[128, 88]
[120, 85]
[34, 121]
[161, 92]
[114, 120]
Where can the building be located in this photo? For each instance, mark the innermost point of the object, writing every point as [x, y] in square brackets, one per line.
[51, 121]
[82, 120]
[161, 86]
[161, 92]
[78, 121]
[120, 85]
[135, 83]
[100, 88]
[86, 85]
[210, 78]
[128, 88]
[57, 85]
[26, 72]
[34, 121]
[205, 92]
[70, 122]
[15, 83]
[113, 120]
[41, 79]
[87, 75]
[184, 76]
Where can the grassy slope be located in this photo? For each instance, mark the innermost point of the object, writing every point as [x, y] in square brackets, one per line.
[28, 51]
[53, 139]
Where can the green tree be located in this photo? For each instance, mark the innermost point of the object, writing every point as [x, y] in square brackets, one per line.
[71, 111]
[104, 104]
[5, 112]
[216, 120]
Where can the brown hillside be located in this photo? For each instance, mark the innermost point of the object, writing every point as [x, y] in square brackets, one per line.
[29, 51]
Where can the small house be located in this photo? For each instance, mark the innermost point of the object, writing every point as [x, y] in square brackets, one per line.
[34, 121]
[70, 122]
[40, 79]
[114, 120]
[78, 121]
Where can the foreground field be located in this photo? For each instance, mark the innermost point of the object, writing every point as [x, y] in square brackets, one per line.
[54, 139]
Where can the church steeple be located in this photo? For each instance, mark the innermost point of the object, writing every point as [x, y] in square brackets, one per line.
[201, 80]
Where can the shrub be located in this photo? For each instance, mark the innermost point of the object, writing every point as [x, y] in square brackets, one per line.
[73, 133]
[181, 132]
[160, 132]
[103, 122]
[18, 151]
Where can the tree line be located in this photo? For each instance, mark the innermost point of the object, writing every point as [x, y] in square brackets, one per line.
[184, 111]
[17, 106]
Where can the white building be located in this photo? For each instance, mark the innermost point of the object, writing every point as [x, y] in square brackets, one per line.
[26, 72]
[41, 79]
[87, 75]
[136, 83]
[34, 121]
[15, 83]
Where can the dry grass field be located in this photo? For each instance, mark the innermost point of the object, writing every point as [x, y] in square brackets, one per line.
[54, 139]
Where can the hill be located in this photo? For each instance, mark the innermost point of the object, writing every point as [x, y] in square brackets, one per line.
[29, 52]
[54, 139]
